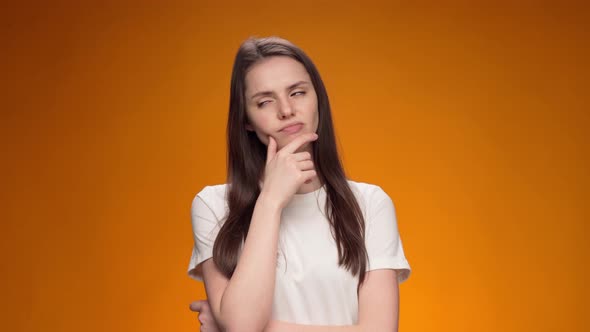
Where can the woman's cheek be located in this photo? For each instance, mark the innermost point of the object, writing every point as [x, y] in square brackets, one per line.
[263, 137]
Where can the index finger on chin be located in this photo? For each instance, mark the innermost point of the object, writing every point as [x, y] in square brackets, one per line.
[299, 141]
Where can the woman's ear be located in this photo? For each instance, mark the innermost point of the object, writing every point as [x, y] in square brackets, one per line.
[249, 127]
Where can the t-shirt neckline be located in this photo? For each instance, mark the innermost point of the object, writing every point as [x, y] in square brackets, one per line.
[302, 199]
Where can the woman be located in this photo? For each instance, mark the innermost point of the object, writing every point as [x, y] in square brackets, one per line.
[322, 252]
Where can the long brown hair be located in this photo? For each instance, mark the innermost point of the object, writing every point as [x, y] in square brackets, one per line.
[246, 161]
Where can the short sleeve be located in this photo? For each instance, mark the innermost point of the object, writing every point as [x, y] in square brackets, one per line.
[383, 242]
[205, 228]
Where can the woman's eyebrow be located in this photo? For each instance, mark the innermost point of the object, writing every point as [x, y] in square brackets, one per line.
[268, 93]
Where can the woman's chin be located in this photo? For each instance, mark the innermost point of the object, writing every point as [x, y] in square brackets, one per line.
[288, 138]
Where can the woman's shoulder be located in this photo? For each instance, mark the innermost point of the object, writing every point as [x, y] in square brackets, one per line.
[213, 191]
[365, 190]
[214, 196]
[369, 196]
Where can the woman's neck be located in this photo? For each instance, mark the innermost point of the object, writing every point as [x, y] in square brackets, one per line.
[314, 185]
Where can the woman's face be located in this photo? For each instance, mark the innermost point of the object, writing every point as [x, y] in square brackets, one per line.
[279, 93]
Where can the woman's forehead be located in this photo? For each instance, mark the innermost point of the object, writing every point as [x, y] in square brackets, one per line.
[275, 73]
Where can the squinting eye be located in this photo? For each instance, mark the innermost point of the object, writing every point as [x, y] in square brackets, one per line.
[302, 92]
[262, 103]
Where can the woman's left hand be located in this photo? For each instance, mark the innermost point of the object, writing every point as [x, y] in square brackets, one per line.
[208, 323]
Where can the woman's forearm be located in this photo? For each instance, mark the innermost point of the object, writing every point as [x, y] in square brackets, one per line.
[253, 280]
[281, 326]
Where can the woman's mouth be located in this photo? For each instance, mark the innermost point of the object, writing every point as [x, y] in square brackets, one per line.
[293, 128]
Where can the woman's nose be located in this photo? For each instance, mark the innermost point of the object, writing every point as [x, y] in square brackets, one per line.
[285, 109]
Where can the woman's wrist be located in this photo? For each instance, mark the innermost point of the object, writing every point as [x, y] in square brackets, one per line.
[268, 202]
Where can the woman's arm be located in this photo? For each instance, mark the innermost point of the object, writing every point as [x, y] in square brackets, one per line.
[377, 312]
[253, 280]
[254, 277]
[378, 308]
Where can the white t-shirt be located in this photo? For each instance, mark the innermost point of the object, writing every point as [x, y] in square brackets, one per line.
[310, 287]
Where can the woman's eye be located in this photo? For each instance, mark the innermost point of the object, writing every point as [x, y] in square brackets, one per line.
[302, 92]
[262, 103]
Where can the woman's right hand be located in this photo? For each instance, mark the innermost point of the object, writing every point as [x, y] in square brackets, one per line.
[286, 170]
[208, 323]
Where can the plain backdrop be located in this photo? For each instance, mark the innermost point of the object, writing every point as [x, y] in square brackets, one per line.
[472, 116]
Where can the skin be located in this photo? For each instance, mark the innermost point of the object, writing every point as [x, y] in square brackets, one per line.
[378, 309]
[206, 319]
[289, 170]
[254, 276]
[268, 113]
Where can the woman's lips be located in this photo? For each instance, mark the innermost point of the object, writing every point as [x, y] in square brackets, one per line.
[293, 129]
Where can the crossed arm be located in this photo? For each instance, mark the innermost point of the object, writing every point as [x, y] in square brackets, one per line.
[378, 308]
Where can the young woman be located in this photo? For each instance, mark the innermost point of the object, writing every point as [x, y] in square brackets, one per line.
[296, 246]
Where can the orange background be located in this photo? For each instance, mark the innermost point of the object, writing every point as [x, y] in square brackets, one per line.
[473, 117]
